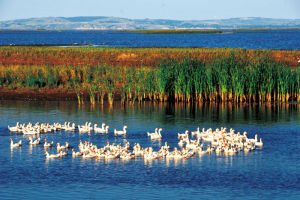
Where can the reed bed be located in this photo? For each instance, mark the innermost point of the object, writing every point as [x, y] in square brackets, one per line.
[232, 76]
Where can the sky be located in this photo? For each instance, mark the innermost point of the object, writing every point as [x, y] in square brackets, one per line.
[152, 9]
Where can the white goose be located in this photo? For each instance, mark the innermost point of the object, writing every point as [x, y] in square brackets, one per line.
[260, 143]
[183, 135]
[155, 132]
[59, 147]
[85, 128]
[70, 128]
[193, 144]
[14, 128]
[51, 155]
[13, 145]
[34, 142]
[126, 156]
[181, 142]
[111, 155]
[31, 131]
[196, 132]
[103, 129]
[200, 150]
[62, 153]
[123, 132]
[137, 149]
[89, 155]
[156, 136]
[209, 149]
[219, 149]
[75, 154]
[47, 144]
[151, 156]
[230, 150]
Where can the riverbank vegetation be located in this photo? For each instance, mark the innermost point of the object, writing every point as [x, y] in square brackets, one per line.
[155, 74]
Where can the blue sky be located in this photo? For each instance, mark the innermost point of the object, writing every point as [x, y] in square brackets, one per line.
[153, 9]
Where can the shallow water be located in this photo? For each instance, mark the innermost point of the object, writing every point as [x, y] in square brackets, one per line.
[268, 172]
[268, 39]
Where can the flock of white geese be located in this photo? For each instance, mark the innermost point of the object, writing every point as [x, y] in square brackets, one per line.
[205, 141]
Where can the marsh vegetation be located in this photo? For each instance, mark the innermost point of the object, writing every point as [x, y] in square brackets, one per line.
[155, 74]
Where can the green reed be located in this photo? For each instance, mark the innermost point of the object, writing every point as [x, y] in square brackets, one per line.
[234, 78]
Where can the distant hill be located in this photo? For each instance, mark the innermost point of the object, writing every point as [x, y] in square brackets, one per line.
[81, 23]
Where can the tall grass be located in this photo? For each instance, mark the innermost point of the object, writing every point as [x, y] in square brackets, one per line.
[234, 76]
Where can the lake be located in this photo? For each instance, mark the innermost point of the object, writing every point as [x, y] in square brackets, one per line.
[268, 39]
[270, 172]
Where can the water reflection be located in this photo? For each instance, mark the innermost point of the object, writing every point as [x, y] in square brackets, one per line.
[13, 150]
[228, 159]
[29, 151]
[167, 113]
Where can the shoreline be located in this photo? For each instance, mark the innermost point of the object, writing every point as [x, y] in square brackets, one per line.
[67, 95]
[37, 94]
[46, 95]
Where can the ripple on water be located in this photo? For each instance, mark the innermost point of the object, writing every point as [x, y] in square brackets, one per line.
[269, 172]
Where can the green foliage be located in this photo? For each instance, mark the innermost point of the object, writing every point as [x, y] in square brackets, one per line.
[229, 78]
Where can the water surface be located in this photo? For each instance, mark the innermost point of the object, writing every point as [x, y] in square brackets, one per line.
[271, 172]
[268, 39]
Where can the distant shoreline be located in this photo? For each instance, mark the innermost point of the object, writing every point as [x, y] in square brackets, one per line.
[154, 31]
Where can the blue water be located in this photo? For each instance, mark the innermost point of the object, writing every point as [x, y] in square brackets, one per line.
[271, 172]
[270, 39]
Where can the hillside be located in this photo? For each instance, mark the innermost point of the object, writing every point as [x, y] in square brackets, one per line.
[82, 23]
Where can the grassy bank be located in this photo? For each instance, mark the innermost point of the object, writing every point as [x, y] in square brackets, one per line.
[155, 74]
[131, 57]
